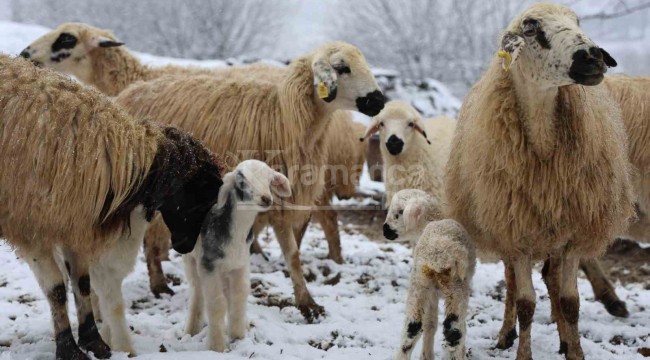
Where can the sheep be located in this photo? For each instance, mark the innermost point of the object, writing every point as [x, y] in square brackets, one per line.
[444, 260]
[538, 166]
[90, 179]
[218, 267]
[281, 122]
[412, 159]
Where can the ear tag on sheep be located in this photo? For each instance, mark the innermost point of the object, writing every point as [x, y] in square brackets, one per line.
[506, 59]
[323, 92]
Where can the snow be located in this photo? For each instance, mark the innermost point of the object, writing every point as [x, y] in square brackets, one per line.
[365, 309]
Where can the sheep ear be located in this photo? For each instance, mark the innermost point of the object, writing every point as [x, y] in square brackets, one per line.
[609, 60]
[104, 42]
[372, 129]
[511, 45]
[226, 188]
[325, 79]
[280, 184]
[419, 127]
[412, 215]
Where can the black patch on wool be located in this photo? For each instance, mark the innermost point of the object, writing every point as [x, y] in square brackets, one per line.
[64, 41]
[59, 57]
[413, 329]
[452, 335]
[84, 285]
[542, 39]
[216, 232]
[183, 183]
[58, 294]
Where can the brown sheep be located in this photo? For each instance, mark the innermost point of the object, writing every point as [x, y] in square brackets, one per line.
[538, 165]
[89, 181]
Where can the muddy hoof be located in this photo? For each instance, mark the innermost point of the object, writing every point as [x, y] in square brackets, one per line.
[617, 308]
[506, 342]
[160, 289]
[311, 311]
[98, 348]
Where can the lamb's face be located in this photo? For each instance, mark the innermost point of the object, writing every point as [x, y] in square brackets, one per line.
[255, 183]
[398, 125]
[549, 48]
[343, 79]
[66, 49]
[405, 218]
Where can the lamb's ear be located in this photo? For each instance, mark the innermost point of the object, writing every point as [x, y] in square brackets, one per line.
[419, 127]
[413, 213]
[609, 60]
[104, 42]
[280, 184]
[372, 129]
[226, 188]
[325, 79]
[511, 45]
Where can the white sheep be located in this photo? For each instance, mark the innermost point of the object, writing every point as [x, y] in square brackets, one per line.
[280, 121]
[414, 152]
[444, 260]
[218, 267]
[90, 179]
[538, 166]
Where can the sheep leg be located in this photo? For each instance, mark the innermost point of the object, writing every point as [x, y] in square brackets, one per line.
[51, 281]
[415, 310]
[237, 299]
[89, 339]
[212, 286]
[570, 307]
[256, 248]
[153, 253]
[523, 269]
[300, 231]
[195, 314]
[552, 275]
[304, 302]
[603, 288]
[429, 325]
[508, 332]
[94, 300]
[328, 220]
[454, 326]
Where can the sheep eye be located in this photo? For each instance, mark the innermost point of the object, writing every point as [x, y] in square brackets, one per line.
[342, 69]
[64, 41]
[530, 27]
[411, 124]
[401, 212]
[381, 124]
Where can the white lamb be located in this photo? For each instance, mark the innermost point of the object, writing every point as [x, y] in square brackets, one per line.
[218, 267]
[444, 260]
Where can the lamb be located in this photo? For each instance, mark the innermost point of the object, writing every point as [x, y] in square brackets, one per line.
[280, 122]
[89, 180]
[411, 158]
[537, 132]
[218, 267]
[444, 260]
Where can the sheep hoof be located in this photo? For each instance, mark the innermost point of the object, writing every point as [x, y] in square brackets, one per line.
[160, 289]
[98, 347]
[70, 353]
[617, 308]
[506, 342]
[311, 311]
[336, 258]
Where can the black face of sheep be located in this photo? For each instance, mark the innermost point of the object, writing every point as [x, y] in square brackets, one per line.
[394, 145]
[372, 103]
[389, 233]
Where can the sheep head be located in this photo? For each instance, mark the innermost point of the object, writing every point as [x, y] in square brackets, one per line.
[409, 212]
[397, 124]
[343, 80]
[545, 44]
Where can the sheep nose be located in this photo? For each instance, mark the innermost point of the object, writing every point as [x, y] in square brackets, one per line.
[25, 54]
[389, 233]
[267, 201]
[372, 103]
[394, 145]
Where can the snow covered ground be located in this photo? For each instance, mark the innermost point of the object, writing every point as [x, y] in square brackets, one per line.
[364, 298]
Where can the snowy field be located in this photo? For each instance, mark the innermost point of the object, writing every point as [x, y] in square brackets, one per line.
[364, 299]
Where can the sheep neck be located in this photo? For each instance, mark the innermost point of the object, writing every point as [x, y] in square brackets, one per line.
[537, 107]
[115, 69]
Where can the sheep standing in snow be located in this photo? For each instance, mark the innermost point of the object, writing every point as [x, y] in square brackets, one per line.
[414, 152]
[90, 179]
[218, 267]
[536, 132]
[444, 260]
[282, 122]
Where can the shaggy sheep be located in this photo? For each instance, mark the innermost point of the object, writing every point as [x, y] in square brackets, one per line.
[218, 267]
[444, 260]
[89, 180]
[538, 165]
[281, 122]
[414, 152]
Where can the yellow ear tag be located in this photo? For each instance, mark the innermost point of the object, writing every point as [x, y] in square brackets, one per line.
[322, 90]
[507, 59]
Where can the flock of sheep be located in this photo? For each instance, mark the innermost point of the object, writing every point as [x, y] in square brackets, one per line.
[546, 162]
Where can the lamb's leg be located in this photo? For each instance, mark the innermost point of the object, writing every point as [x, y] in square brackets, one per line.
[154, 253]
[523, 269]
[508, 332]
[603, 288]
[570, 307]
[416, 302]
[89, 339]
[454, 325]
[237, 300]
[195, 314]
[51, 281]
[429, 325]
[212, 286]
[304, 302]
[328, 220]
